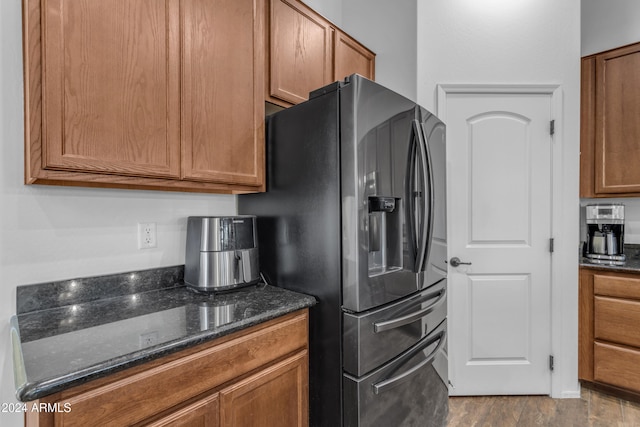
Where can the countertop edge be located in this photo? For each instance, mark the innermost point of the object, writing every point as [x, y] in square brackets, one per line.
[611, 268]
[26, 391]
[631, 265]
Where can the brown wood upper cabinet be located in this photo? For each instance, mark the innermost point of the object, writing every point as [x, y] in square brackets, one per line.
[158, 94]
[351, 57]
[610, 129]
[307, 52]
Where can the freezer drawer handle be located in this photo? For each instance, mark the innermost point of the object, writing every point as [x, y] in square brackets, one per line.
[387, 384]
[411, 317]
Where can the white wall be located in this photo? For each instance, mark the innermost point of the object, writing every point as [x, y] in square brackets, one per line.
[519, 42]
[389, 29]
[49, 233]
[609, 24]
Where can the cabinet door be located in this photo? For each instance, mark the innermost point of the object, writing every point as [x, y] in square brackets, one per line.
[585, 325]
[300, 52]
[617, 128]
[587, 127]
[111, 87]
[351, 57]
[275, 396]
[223, 91]
[202, 413]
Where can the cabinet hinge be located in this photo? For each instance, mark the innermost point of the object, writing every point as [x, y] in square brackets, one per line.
[551, 241]
[552, 127]
[551, 363]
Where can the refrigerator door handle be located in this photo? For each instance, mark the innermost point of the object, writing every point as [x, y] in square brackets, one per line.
[437, 335]
[431, 202]
[426, 204]
[410, 196]
[385, 325]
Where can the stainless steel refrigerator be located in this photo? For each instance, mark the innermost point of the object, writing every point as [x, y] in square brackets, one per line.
[354, 214]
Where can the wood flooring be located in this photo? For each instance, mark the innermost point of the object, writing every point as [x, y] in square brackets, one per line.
[593, 409]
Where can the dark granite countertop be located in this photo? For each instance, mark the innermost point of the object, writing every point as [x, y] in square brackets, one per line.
[631, 265]
[70, 332]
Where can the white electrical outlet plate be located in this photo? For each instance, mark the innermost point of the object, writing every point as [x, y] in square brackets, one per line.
[147, 235]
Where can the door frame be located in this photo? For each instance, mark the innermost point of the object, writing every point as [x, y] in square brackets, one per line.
[556, 102]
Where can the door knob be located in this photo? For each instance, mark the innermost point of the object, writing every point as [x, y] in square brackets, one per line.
[455, 261]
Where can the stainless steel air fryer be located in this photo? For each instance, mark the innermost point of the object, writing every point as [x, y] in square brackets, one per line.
[221, 253]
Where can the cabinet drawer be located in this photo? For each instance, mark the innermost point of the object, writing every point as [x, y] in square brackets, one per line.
[147, 393]
[615, 365]
[616, 286]
[617, 320]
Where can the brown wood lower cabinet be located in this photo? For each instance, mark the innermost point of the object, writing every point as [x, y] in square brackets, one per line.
[609, 315]
[203, 412]
[254, 377]
[275, 396]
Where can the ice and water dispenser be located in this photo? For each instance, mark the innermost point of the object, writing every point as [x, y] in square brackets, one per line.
[385, 235]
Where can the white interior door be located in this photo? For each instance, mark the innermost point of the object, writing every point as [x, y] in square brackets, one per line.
[499, 149]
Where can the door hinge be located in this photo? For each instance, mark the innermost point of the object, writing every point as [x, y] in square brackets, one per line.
[551, 242]
[551, 363]
[552, 127]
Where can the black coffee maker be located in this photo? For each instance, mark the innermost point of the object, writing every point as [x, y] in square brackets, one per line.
[605, 234]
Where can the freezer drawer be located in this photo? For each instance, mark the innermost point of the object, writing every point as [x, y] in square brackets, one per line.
[411, 390]
[372, 338]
